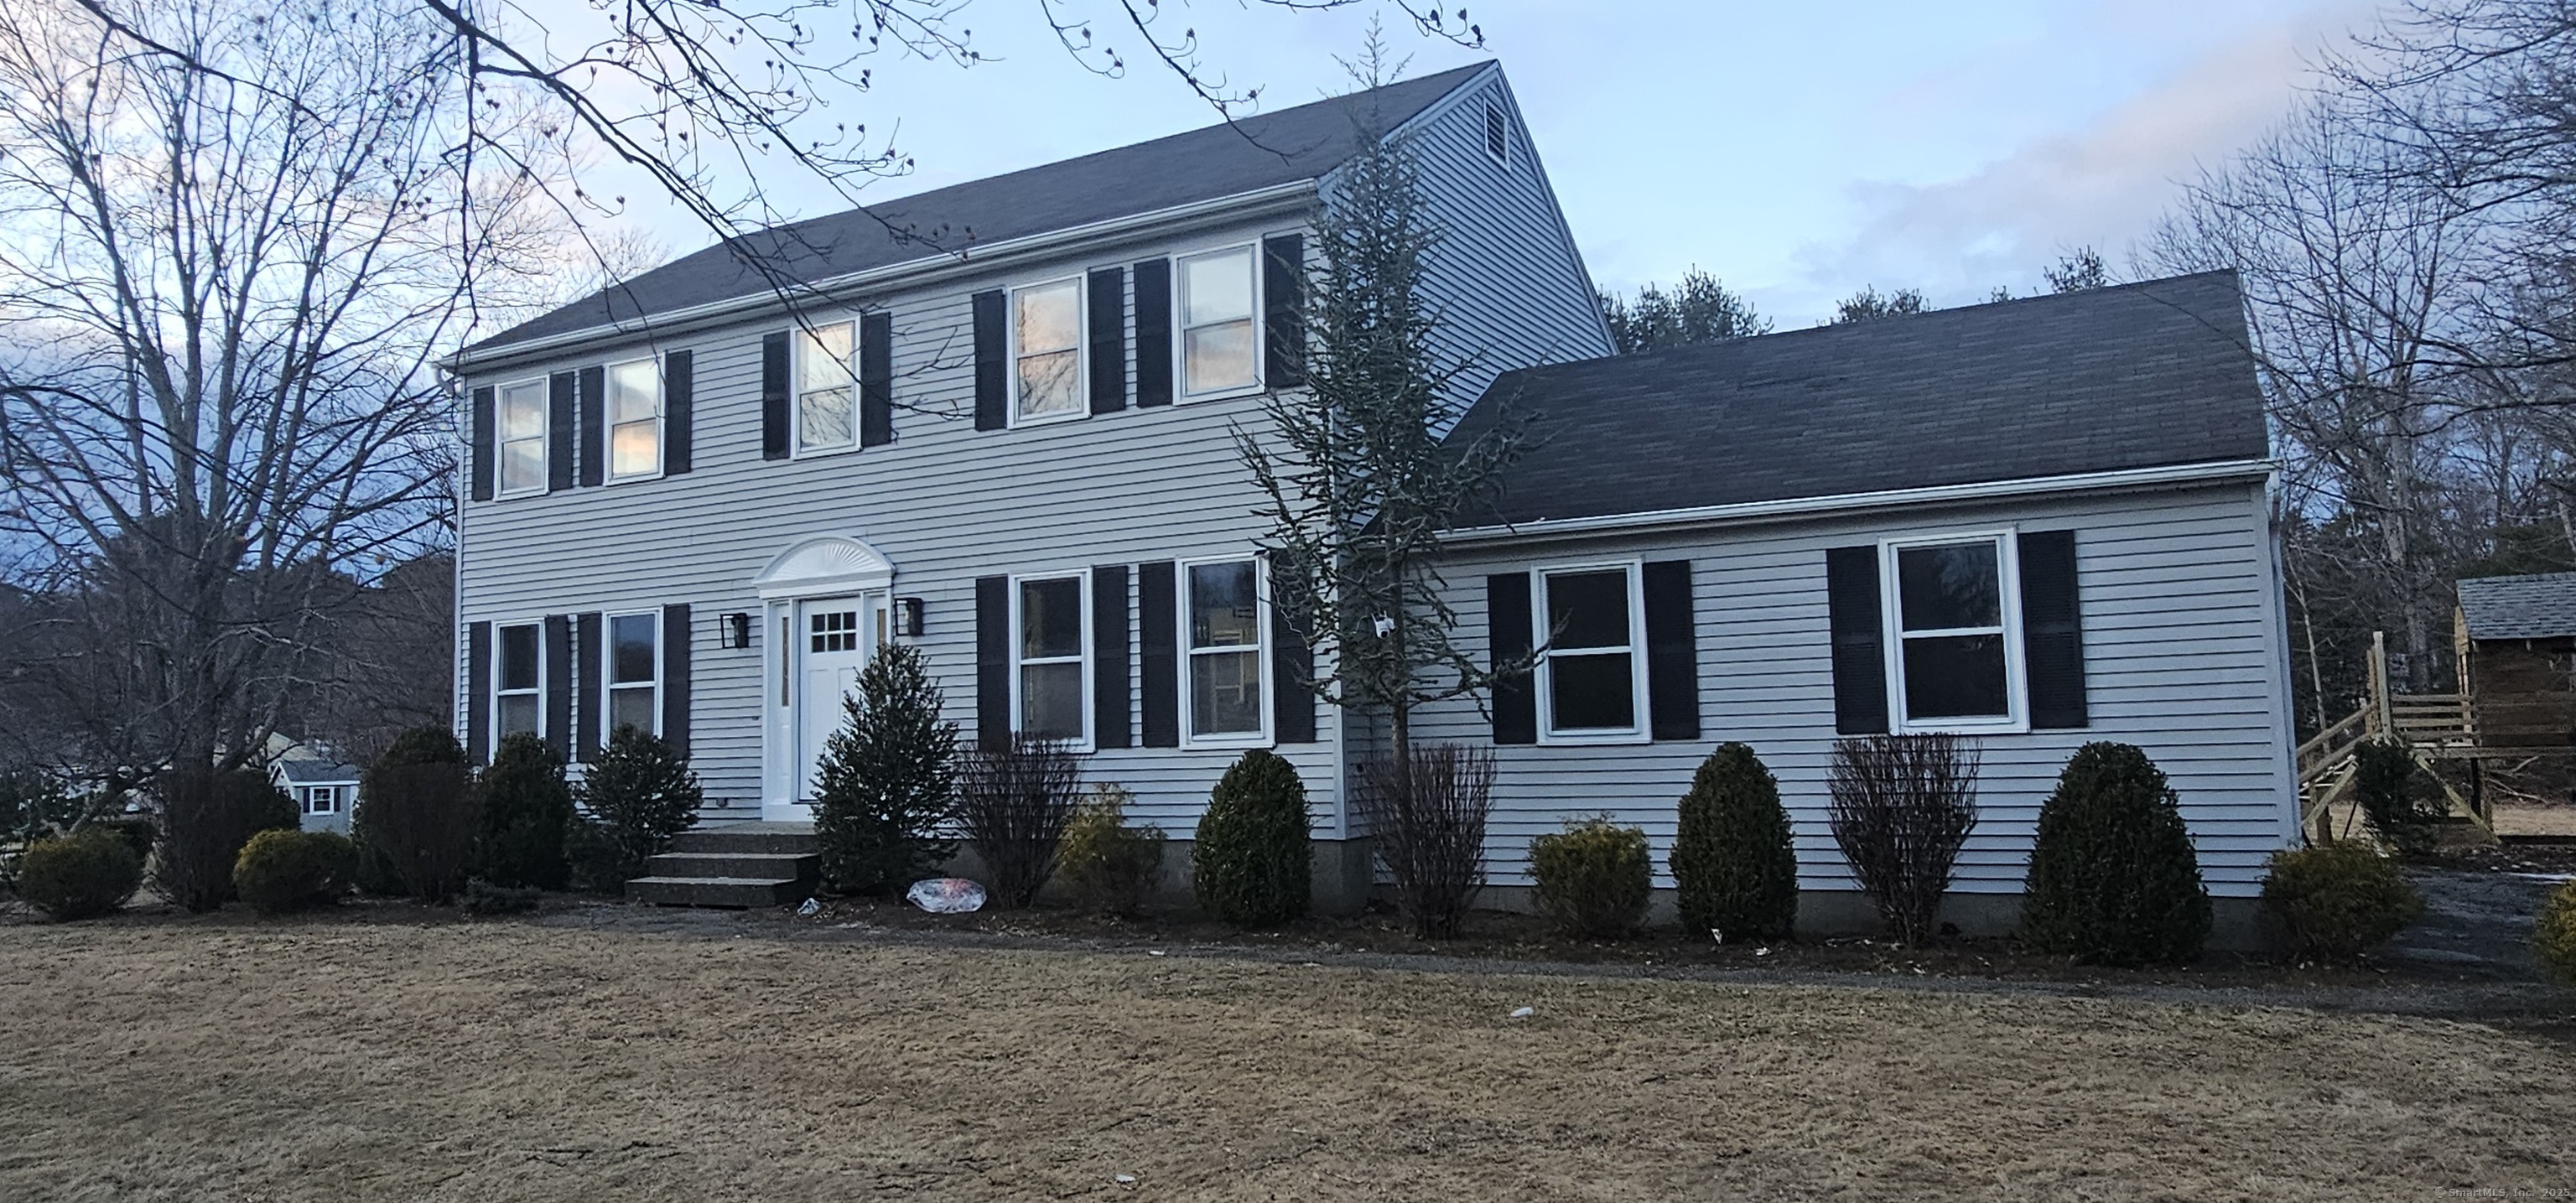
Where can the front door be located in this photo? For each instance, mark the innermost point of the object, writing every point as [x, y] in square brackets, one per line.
[834, 638]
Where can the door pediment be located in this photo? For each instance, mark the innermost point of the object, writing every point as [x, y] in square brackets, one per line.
[823, 565]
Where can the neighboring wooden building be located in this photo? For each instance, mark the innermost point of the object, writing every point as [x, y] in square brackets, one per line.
[2516, 639]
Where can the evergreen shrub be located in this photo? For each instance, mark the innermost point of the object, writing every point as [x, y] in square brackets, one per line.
[2113, 877]
[1252, 859]
[1735, 871]
[1594, 878]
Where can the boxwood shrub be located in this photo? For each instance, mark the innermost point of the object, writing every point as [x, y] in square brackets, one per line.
[282, 871]
[1251, 859]
[2339, 900]
[79, 876]
[1593, 878]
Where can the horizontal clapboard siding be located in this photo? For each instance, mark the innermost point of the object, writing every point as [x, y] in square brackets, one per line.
[2183, 652]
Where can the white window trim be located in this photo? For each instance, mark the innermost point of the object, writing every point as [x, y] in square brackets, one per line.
[1081, 354]
[1892, 633]
[310, 790]
[796, 448]
[539, 625]
[1180, 329]
[1190, 738]
[608, 685]
[608, 422]
[1544, 678]
[1082, 657]
[545, 439]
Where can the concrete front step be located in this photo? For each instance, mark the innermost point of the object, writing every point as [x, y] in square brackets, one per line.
[765, 866]
[787, 839]
[717, 891]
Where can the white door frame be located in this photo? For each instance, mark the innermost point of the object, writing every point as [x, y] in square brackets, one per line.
[818, 568]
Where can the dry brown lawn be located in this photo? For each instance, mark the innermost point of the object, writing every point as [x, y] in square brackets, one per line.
[348, 1061]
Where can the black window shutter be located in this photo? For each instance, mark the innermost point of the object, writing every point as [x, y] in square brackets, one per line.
[679, 400]
[1672, 651]
[1158, 655]
[1859, 645]
[479, 438]
[773, 395]
[1507, 635]
[1154, 332]
[2052, 630]
[992, 401]
[1108, 305]
[876, 379]
[675, 677]
[593, 458]
[478, 691]
[589, 684]
[1111, 703]
[1283, 310]
[559, 431]
[993, 661]
[559, 685]
[1292, 676]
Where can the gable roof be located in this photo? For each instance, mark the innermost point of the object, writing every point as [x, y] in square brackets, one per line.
[1254, 153]
[2135, 376]
[317, 772]
[2541, 606]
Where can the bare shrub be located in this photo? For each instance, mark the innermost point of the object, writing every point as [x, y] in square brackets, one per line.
[1426, 816]
[1013, 803]
[1902, 808]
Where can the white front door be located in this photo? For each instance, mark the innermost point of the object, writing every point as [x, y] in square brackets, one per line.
[834, 638]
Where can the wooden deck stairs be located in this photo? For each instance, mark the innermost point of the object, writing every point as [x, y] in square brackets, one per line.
[2436, 727]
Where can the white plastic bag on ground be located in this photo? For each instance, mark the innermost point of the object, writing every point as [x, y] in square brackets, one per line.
[946, 895]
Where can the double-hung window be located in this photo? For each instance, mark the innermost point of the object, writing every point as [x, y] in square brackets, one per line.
[1223, 604]
[1218, 350]
[523, 437]
[321, 799]
[1051, 625]
[1046, 350]
[635, 420]
[1592, 676]
[827, 389]
[634, 672]
[521, 677]
[1954, 646]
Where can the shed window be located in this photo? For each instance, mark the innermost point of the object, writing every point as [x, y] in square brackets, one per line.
[1216, 322]
[1049, 656]
[1046, 349]
[321, 799]
[1592, 675]
[520, 674]
[1954, 654]
[635, 419]
[827, 390]
[523, 437]
[634, 672]
[1225, 652]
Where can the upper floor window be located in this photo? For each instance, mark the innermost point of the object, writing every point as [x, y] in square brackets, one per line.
[635, 419]
[521, 676]
[1048, 653]
[634, 672]
[1592, 677]
[1225, 652]
[523, 437]
[827, 391]
[1217, 344]
[1954, 646]
[1498, 134]
[1046, 350]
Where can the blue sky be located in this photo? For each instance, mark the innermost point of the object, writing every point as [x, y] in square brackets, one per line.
[1797, 151]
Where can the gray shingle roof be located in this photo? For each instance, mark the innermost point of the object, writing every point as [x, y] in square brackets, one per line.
[2520, 607]
[316, 772]
[2136, 376]
[1293, 144]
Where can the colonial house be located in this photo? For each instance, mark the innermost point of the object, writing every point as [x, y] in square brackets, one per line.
[1000, 425]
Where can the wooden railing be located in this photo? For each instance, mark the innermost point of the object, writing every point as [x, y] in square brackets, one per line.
[2434, 725]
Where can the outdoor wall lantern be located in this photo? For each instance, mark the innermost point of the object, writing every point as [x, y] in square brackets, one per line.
[907, 617]
[736, 631]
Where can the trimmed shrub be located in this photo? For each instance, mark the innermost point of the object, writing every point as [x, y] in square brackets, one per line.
[526, 808]
[1734, 869]
[2404, 803]
[480, 897]
[1013, 803]
[206, 817]
[2340, 900]
[1902, 808]
[1593, 878]
[1109, 866]
[79, 876]
[2553, 938]
[599, 864]
[1428, 826]
[887, 784]
[418, 807]
[639, 793]
[2113, 878]
[1251, 861]
[282, 871]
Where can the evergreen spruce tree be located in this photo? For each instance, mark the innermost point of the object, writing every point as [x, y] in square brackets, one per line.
[1733, 863]
[2113, 878]
[887, 782]
[640, 792]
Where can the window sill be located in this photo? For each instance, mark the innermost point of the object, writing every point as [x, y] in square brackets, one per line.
[822, 452]
[636, 479]
[1230, 394]
[2015, 727]
[1227, 743]
[1593, 739]
[1020, 423]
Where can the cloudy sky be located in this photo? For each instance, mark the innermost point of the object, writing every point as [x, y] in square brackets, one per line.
[1797, 151]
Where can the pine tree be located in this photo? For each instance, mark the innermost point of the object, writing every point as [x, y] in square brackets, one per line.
[640, 792]
[888, 779]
